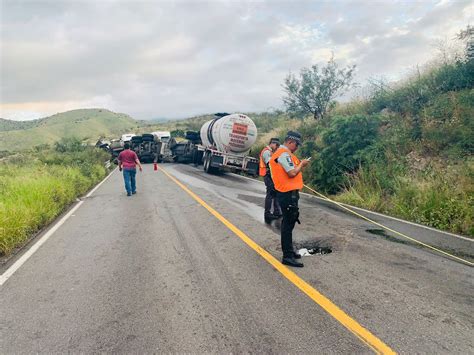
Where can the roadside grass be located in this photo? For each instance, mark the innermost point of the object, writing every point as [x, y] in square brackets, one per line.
[34, 193]
[444, 200]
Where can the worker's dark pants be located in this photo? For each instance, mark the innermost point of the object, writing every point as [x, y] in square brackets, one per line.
[271, 197]
[289, 203]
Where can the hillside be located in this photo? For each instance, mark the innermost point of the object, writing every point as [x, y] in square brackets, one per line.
[9, 125]
[86, 124]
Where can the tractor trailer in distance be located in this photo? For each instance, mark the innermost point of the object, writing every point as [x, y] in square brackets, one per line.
[222, 144]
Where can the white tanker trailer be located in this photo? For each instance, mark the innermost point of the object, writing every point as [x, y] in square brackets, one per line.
[223, 144]
[226, 142]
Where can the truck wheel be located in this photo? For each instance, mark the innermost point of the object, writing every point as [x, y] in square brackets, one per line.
[206, 162]
[196, 158]
[199, 157]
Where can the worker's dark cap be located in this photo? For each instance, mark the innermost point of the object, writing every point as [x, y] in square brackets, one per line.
[275, 140]
[294, 136]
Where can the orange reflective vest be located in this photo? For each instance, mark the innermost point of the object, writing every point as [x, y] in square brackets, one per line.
[282, 181]
[262, 171]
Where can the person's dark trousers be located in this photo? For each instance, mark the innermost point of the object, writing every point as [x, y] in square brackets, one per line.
[288, 202]
[129, 178]
[270, 197]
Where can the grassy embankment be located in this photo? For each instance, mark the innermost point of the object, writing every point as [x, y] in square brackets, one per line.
[419, 164]
[406, 150]
[36, 186]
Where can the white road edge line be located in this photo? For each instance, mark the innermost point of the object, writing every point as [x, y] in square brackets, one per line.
[17, 264]
[378, 214]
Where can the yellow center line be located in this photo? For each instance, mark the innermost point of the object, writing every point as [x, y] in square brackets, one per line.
[352, 325]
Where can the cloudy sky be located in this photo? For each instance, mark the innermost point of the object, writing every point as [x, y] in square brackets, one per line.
[173, 59]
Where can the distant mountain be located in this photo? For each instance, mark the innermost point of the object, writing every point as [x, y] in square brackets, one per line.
[9, 125]
[86, 124]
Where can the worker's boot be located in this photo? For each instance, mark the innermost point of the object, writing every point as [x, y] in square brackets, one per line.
[290, 261]
[296, 255]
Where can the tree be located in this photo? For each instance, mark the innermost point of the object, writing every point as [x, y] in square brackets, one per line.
[316, 88]
[467, 35]
[178, 133]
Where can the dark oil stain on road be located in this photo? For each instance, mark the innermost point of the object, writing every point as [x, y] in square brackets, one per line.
[383, 233]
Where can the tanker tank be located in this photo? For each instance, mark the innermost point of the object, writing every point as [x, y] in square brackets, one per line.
[234, 134]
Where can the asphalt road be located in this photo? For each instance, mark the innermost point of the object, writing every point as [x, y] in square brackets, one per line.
[156, 272]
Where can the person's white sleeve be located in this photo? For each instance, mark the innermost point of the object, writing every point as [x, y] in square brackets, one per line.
[266, 156]
[285, 161]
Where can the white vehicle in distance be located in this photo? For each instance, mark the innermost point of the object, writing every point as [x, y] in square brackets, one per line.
[127, 137]
[164, 137]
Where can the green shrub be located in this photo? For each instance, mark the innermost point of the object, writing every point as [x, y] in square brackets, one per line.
[344, 147]
[69, 144]
[448, 124]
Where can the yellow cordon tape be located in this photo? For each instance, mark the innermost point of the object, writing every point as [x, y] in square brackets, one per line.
[390, 229]
[377, 345]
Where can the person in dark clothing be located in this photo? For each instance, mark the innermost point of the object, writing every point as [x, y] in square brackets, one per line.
[286, 170]
[264, 170]
[128, 160]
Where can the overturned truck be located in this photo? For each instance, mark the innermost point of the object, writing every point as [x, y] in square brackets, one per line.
[147, 147]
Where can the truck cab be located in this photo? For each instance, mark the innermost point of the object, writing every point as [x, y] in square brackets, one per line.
[164, 137]
[127, 137]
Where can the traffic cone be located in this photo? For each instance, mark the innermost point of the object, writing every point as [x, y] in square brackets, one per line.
[155, 166]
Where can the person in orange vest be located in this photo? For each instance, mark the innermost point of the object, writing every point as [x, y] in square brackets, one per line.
[286, 170]
[264, 170]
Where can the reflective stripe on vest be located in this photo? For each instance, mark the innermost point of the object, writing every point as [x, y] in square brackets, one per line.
[282, 181]
[262, 171]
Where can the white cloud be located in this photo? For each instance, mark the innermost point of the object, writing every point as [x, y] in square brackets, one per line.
[175, 59]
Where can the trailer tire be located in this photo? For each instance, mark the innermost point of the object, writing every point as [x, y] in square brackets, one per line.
[206, 162]
[197, 157]
[195, 160]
